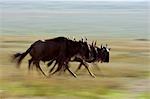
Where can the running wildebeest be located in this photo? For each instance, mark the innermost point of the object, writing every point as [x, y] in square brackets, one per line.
[69, 56]
[96, 54]
[99, 54]
[42, 51]
[60, 48]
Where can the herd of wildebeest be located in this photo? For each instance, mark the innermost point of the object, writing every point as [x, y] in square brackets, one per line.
[60, 51]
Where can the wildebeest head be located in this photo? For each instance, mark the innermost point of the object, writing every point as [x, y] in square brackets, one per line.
[103, 53]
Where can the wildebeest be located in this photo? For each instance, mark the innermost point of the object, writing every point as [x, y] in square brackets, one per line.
[61, 49]
[42, 51]
[82, 58]
[96, 54]
[99, 54]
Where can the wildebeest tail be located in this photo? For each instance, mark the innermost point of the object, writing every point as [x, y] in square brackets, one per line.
[20, 56]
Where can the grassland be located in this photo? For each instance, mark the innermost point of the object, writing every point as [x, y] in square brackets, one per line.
[125, 77]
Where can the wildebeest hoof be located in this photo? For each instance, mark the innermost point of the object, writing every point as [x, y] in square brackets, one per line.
[75, 75]
[93, 75]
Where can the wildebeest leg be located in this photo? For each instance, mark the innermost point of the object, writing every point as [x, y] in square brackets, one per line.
[29, 63]
[58, 68]
[81, 63]
[72, 73]
[64, 69]
[38, 67]
[67, 67]
[79, 67]
[60, 61]
[86, 66]
[50, 63]
[53, 67]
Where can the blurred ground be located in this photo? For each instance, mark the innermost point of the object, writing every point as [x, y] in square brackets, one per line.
[125, 77]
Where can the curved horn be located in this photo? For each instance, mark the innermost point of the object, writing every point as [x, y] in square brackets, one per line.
[101, 46]
[74, 38]
[92, 43]
[82, 39]
[85, 38]
[95, 43]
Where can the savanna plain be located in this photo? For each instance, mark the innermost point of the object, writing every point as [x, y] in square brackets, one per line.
[126, 76]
